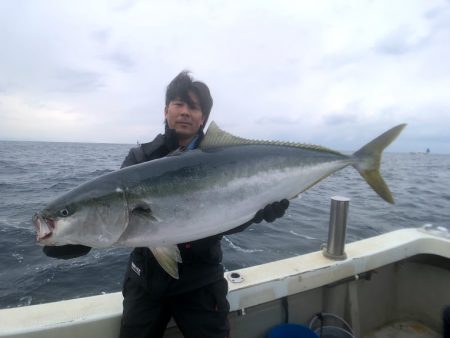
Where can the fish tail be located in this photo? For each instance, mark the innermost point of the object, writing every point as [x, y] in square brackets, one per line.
[369, 158]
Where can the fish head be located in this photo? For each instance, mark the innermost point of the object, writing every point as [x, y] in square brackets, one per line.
[87, 216]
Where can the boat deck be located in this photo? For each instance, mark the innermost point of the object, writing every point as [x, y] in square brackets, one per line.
[404, 329]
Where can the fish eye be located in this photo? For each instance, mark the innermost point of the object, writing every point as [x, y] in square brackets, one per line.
[64, 212]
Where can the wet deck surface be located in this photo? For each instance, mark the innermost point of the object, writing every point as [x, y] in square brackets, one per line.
[407, 329]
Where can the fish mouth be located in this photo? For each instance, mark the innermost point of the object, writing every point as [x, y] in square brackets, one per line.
[44, 227]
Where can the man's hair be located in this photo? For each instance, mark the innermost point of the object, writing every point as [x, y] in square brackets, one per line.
[180, 87]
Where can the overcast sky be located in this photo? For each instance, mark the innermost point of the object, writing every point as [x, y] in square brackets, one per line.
[335, 73]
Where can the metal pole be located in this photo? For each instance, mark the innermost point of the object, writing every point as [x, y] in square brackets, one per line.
[335, 247]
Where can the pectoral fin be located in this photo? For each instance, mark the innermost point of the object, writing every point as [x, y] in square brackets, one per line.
[168, 257]
[141, 214]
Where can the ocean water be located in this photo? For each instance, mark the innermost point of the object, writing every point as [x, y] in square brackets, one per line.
[34, 173]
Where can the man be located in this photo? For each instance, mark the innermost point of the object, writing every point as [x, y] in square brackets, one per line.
[197, 300]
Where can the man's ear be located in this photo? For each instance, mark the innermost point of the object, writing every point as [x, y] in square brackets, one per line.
[165, 111]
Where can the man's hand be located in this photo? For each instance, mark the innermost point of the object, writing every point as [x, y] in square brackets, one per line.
[271, 212]
[66, 251]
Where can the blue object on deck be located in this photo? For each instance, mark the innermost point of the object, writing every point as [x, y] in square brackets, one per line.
[292, 331]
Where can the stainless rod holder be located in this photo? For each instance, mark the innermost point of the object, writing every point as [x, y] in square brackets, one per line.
[335, 247]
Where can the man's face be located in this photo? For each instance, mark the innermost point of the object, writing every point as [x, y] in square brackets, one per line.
[185, 119]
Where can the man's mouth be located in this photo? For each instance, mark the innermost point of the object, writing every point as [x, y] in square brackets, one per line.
[44, 227]
[184, 123]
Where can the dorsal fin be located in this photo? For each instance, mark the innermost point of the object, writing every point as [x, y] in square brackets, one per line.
[216, 137]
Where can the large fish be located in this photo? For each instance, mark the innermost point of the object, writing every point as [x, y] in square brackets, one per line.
[197, 194]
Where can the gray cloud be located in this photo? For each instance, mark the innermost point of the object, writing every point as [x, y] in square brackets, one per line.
[436, 12]
[334, 61]
[72, 80]
[276, 120]
[101, 35]
[340, 118]
[121, 60]
[401, 41]
[123, 5]
[348, 115]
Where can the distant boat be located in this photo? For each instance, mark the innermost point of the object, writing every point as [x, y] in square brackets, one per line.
[420, 153]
